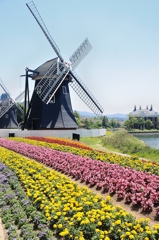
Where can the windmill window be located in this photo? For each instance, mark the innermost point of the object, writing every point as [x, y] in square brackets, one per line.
[38, 89]
[64, 90]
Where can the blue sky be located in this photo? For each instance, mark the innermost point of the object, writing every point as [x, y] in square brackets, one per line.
[122, 69]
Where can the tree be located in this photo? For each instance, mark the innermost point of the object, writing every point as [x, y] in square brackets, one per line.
[76, 114]
[148, 124]
[87, 123]
[112, 123]
[127, 124]
[20, 116]
[141, 123]
[97, 124]
[105, 122]
[118, 125]
[133, 121]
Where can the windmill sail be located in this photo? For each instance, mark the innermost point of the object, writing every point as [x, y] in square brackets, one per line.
[80, 53]
[51, 81]
[80, 88]
[8, 107]
[42, 25]
[8, 103]
[5, 106]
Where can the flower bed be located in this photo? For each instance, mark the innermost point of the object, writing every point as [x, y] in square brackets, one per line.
[61, 141]
[124, 161]
[140, 189]
[20, 217]
[72, 211]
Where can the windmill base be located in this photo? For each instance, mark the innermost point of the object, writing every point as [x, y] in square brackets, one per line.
[53, 133]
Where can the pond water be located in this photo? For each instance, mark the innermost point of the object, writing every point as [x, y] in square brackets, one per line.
[151, 140]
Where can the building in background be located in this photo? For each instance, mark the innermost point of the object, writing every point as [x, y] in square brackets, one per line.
[143, 115]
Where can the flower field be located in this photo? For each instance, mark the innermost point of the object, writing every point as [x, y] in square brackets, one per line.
[65, 142]
[63, 209]
[132, 162]
[20, 217]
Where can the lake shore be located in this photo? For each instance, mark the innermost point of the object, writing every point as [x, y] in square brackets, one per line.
[151, 133]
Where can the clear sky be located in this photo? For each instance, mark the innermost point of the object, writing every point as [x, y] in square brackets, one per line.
[122, 69]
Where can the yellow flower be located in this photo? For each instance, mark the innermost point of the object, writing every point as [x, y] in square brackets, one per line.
[54, 226]
[60, 225]
[99, 223]
[108, 198]
[131, 237]
[118, 222]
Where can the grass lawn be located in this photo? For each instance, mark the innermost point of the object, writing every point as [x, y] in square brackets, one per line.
[122, 142]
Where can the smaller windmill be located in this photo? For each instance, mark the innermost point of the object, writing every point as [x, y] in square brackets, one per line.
[8, 108]
[50, 106]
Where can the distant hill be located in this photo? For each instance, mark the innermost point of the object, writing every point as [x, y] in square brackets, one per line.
[115, 116]
[86, 114]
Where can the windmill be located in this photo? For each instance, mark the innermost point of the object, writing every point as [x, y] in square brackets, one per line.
[50, 105]
[8, 108]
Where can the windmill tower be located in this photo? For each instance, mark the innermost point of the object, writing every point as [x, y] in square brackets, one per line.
[8, 108]
[50, 105]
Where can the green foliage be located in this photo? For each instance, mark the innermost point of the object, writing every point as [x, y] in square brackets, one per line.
[76, 114]
[20, 116]
[96, 122]
[138, 123]
[77, 118]
[148, 124]
[105, 122]
[127, 124]
[124, 142]
[87, 123]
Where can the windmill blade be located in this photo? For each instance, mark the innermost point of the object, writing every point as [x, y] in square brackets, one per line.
[31, 6]
[80, 53]
[5, 105]
[8, 103]
[20, 97]
[4, 88]
[51, 81]
[83, 92]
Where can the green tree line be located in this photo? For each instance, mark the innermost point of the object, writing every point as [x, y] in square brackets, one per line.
[139, 123]
[96, 122]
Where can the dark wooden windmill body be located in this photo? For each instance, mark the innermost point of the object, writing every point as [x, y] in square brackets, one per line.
[58, 113]
[8, 116]
[50, 105]
[8, 109]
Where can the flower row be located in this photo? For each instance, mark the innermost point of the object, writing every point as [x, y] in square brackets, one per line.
[61, 141]
[134, 187]
[124, 161]
[74, 212]
[20, 217]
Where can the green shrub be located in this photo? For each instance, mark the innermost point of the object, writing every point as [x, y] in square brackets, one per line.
[124, 142]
